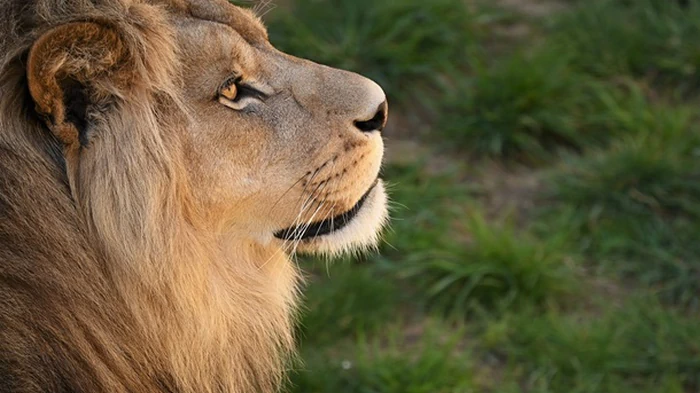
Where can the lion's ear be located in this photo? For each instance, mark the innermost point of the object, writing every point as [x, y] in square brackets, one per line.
[67, 67]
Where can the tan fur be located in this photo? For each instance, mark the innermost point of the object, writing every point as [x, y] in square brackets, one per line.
[138, 210]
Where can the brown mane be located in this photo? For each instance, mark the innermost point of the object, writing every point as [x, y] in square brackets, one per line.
[104, 291]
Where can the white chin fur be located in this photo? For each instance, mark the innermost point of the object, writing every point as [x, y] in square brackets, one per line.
[360, 234]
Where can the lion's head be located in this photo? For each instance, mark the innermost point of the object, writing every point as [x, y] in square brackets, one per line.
[159, 160]
[275, 148]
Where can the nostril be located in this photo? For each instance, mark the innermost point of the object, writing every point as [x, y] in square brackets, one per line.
[376, 123]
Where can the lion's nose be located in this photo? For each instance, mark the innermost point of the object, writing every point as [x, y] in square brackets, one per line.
[377, 122]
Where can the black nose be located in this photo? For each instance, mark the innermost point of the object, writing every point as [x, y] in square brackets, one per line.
[376, 123]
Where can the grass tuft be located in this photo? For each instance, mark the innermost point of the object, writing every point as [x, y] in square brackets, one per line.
[524, 108]
[498, 269]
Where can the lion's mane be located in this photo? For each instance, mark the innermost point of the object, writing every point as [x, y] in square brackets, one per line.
[105, 281]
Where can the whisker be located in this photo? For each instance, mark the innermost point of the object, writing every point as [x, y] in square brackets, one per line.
[304, 207]
[286, 192]
[299, 240]
[299, 230]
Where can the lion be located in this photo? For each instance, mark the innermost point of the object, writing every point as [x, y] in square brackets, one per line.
[160, 165]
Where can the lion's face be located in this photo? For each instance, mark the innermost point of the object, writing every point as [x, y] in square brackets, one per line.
[280, 147]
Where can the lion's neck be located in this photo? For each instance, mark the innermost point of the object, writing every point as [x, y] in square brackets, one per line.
[216, 308]
[219, 311]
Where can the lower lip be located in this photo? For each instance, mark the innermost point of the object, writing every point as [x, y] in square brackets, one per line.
[327, 226]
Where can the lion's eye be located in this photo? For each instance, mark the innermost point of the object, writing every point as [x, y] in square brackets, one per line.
[229, 91]
[237, 95]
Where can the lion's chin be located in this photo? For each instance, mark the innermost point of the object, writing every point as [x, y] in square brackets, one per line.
[358, 233]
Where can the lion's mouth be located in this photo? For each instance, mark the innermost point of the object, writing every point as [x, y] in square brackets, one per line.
[325, 227]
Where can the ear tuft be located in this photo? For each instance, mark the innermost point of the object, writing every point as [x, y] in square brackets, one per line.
[63, 64]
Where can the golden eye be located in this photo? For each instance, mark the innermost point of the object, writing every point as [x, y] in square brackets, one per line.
[229, 90]
[237, 95]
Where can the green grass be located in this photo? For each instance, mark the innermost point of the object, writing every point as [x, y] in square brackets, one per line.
[497, 269]
[525, 107]
[639, 346]
[635, 207]
[654, 39]
[404, 45]
[589, 283]
[573, 88]
[415, 230]
[581, 86]
[370, 366]
[334, 301]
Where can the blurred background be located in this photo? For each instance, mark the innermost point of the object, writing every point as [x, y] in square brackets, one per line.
[544, 157]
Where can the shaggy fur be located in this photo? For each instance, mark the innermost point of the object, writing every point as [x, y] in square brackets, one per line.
[137, 248]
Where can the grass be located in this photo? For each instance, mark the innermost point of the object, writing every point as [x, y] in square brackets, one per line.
[336, 302]
[366, 366]
[612, 38]
[571, 89]
[498, 269]
[594, 285]
[403, 45]
[525, 107]
[636, 206]
[641, 346]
